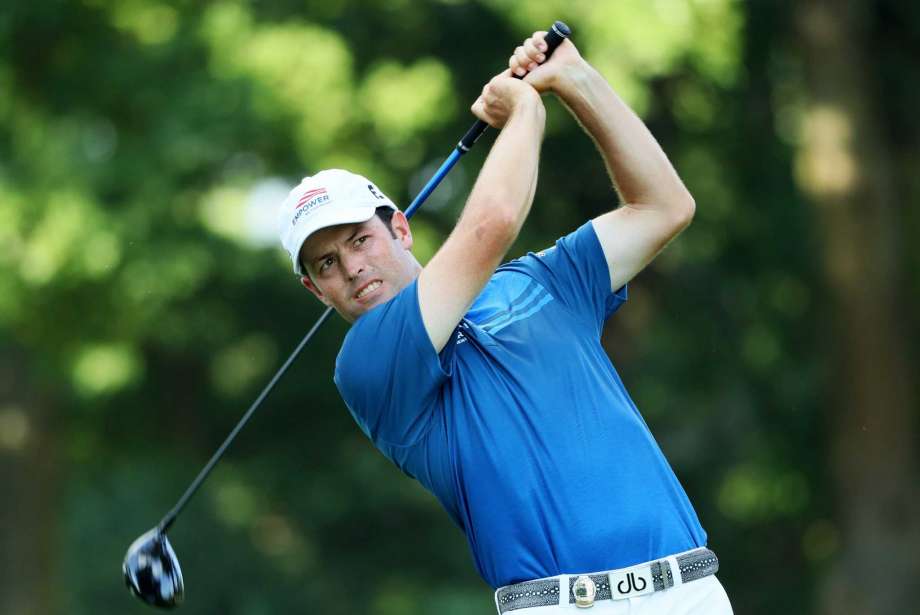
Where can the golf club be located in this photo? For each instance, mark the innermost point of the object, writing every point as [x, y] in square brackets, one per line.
[151, 568]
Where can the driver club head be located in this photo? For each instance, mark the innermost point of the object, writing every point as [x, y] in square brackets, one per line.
[152, 570]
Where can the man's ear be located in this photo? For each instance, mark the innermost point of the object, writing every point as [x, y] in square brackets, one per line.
[400, 225]
[313, 288]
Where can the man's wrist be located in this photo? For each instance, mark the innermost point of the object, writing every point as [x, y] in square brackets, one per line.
[572, 81]
[528, 105]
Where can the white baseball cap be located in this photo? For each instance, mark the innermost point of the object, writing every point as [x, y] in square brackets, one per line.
[328, 198]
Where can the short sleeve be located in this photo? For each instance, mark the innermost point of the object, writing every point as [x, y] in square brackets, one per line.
[575, 271]
[388, 372]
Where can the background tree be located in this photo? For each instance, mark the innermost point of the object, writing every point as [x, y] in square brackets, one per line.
[847, 165]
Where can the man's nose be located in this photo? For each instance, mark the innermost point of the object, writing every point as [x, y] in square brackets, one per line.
[353, 266]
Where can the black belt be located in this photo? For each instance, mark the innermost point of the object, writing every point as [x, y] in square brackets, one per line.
[628, 582]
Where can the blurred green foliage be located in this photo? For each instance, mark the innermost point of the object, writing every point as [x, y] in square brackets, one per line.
[144, 302]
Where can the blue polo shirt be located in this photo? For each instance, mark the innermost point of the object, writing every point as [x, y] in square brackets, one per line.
[521, 426]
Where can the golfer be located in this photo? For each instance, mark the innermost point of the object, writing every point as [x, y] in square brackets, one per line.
[488, 384]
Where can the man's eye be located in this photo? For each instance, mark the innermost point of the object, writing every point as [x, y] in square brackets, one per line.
[360, 240]
[326, 264]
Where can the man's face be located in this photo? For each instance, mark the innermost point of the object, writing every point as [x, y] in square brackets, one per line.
[354, 267]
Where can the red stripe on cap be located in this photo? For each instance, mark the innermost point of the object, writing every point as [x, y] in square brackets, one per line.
[309, 195]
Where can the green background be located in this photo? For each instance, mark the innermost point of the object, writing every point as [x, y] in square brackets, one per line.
[144, 301]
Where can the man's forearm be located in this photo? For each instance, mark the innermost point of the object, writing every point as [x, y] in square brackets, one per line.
[639, 168]
[505, 187]
[490, 222]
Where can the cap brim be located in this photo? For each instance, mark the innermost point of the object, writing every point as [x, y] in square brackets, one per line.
[332, 216]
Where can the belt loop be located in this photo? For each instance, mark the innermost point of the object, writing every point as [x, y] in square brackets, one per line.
[675, 570]
[563, 590]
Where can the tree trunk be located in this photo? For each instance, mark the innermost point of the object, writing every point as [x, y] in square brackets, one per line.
[844, 166]
[29, 505]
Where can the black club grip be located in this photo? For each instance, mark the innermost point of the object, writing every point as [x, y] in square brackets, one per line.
[554, 37]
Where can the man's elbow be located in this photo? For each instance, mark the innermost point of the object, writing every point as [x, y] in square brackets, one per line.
[682, 211]
[495, 226]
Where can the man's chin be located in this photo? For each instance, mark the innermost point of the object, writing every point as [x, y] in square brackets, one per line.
[359, 309]
[374, 301]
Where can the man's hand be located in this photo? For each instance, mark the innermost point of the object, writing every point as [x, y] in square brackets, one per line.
[528, 58]
[500, 97]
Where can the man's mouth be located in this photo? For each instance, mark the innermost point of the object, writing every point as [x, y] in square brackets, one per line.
[367, 289]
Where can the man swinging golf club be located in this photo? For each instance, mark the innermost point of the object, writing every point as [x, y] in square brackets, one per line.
[488, 384]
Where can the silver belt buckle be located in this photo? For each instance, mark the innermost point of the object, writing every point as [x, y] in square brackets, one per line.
[584, 590]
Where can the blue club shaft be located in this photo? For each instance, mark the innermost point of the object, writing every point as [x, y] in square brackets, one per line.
[442, 171]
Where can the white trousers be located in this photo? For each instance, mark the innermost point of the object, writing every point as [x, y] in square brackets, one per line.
[701, 597]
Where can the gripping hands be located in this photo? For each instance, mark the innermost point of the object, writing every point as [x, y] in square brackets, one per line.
[527, 65]
[501, 97]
